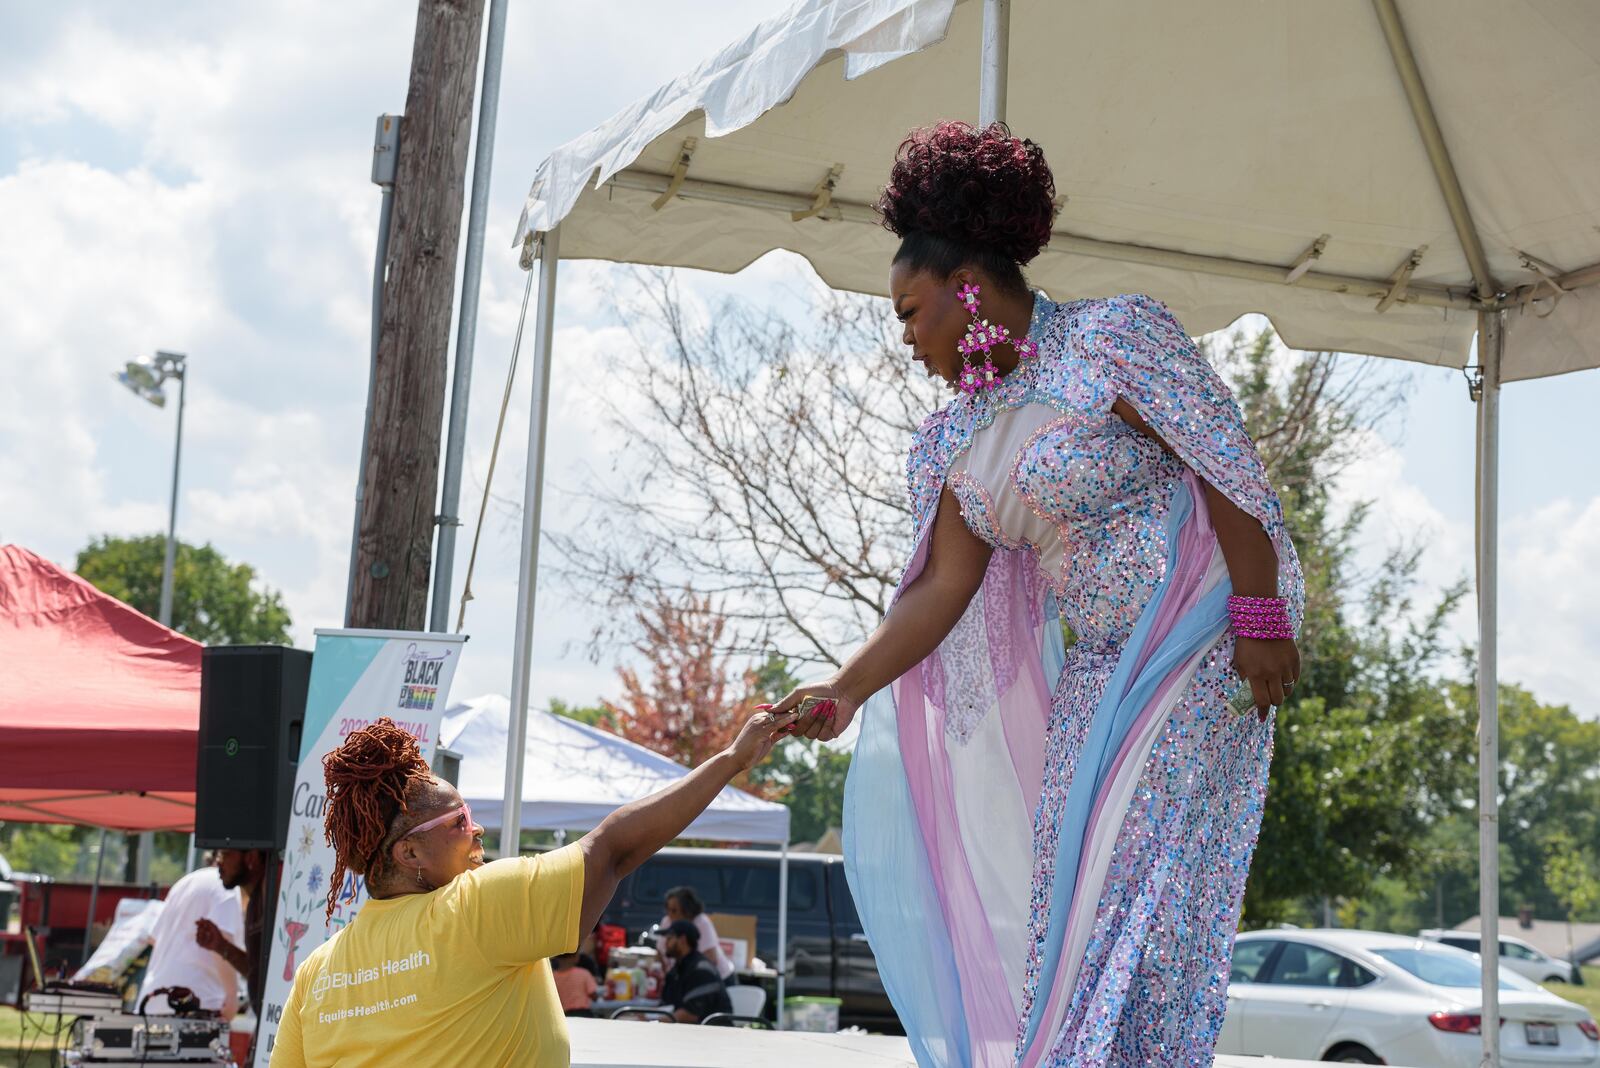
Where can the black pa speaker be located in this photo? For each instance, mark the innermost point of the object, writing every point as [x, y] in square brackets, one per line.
[252, 709]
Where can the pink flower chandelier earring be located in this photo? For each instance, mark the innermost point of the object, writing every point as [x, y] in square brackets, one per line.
[983, 336]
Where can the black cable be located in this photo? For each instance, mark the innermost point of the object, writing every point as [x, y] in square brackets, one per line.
[39, 1028]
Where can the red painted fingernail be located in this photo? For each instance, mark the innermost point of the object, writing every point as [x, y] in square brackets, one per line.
[762, 708]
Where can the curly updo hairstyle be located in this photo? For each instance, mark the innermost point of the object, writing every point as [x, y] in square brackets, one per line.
[959, 195]
[370, 778]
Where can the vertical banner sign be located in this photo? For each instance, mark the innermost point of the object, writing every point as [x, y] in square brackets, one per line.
[356, 676]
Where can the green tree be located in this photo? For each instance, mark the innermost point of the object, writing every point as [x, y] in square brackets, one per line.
[809, 779]
[57, 850]
[1549, 808]
[1550, 795]
[1366, 751]
[213, 601]
[806, 776]
[1572, 873]
[590, 715]
[69, 852]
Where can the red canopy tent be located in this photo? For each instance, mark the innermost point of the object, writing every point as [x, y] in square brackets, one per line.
[99, 705]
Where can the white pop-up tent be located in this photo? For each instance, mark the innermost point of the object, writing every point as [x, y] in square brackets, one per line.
[578, 775]
[1416, 179]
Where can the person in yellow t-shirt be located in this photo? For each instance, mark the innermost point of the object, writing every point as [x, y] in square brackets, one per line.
[448, 963]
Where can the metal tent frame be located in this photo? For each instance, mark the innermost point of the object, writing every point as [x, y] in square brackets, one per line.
[1489, 300]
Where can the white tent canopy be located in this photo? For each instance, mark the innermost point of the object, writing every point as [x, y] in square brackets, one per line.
[1416, 179]
[578, 775]
[1201, 151]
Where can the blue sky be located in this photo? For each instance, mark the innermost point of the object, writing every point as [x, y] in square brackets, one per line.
[195, 177]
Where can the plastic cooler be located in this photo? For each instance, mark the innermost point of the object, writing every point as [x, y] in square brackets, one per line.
[811, 1014]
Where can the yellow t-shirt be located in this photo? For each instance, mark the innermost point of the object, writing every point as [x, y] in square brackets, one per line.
[453, 977]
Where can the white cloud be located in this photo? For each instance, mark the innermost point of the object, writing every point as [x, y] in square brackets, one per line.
[101, 267]
[196, 177]
[1548, 629]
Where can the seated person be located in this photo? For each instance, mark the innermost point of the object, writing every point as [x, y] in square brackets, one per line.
[693, 990]
[575, 985]
[684, 904]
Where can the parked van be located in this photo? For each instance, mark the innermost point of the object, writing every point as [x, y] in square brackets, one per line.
[828, 953]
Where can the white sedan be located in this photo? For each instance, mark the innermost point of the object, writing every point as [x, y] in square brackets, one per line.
[1368, 998]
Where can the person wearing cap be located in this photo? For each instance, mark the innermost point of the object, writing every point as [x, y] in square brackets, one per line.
[684, 904]
[693, 989]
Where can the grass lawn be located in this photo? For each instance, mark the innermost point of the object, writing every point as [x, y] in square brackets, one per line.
[15, 1041]
[1587, 995]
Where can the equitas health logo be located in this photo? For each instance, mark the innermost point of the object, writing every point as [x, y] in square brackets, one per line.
[326, 980]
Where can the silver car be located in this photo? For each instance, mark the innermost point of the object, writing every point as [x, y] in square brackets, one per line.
[1363, 997]
[1515, 954]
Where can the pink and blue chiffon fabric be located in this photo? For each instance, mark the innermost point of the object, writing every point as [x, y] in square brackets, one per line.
[1048, 845]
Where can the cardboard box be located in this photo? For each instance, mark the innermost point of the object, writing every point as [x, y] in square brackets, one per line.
[735, 949]
[737, 935]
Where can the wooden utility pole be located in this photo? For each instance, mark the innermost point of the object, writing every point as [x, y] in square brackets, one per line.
[401, 467]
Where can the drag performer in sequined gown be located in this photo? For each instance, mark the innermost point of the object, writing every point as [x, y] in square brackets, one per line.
[1048, 845]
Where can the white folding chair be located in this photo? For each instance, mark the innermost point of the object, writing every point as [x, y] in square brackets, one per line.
[747, 1000]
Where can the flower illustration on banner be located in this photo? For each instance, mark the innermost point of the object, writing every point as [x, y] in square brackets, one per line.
[306, 839]
[294, 930]
[314, 880]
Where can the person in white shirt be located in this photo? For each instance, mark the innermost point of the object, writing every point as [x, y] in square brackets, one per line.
[684, 904]
[179, 960]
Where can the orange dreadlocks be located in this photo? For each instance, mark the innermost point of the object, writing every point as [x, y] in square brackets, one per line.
[367, 779]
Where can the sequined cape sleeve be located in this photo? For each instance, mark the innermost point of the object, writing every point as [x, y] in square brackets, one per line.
[1152, 364]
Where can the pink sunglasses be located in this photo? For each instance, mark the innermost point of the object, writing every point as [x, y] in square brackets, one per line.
[464, 811]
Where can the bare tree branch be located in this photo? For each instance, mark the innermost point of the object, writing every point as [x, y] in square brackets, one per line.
[767, 461]
[768, 471]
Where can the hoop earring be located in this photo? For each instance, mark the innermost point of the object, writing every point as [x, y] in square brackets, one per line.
[983, 336]
[419, 879]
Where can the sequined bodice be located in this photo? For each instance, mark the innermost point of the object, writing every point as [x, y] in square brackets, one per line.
[1105, 488]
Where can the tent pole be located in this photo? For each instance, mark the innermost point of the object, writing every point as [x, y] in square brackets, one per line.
[783, 929]
[1491, 346]
[94, 897]
[996, 63]
[1444, 170]
[494, 44]
[528, 567]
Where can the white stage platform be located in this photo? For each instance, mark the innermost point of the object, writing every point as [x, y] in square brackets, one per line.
[634, 1044]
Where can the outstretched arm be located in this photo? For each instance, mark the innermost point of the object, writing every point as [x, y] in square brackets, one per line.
[925, 613]
[632, 834]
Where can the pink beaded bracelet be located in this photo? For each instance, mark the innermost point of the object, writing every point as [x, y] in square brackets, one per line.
[1260, 617]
